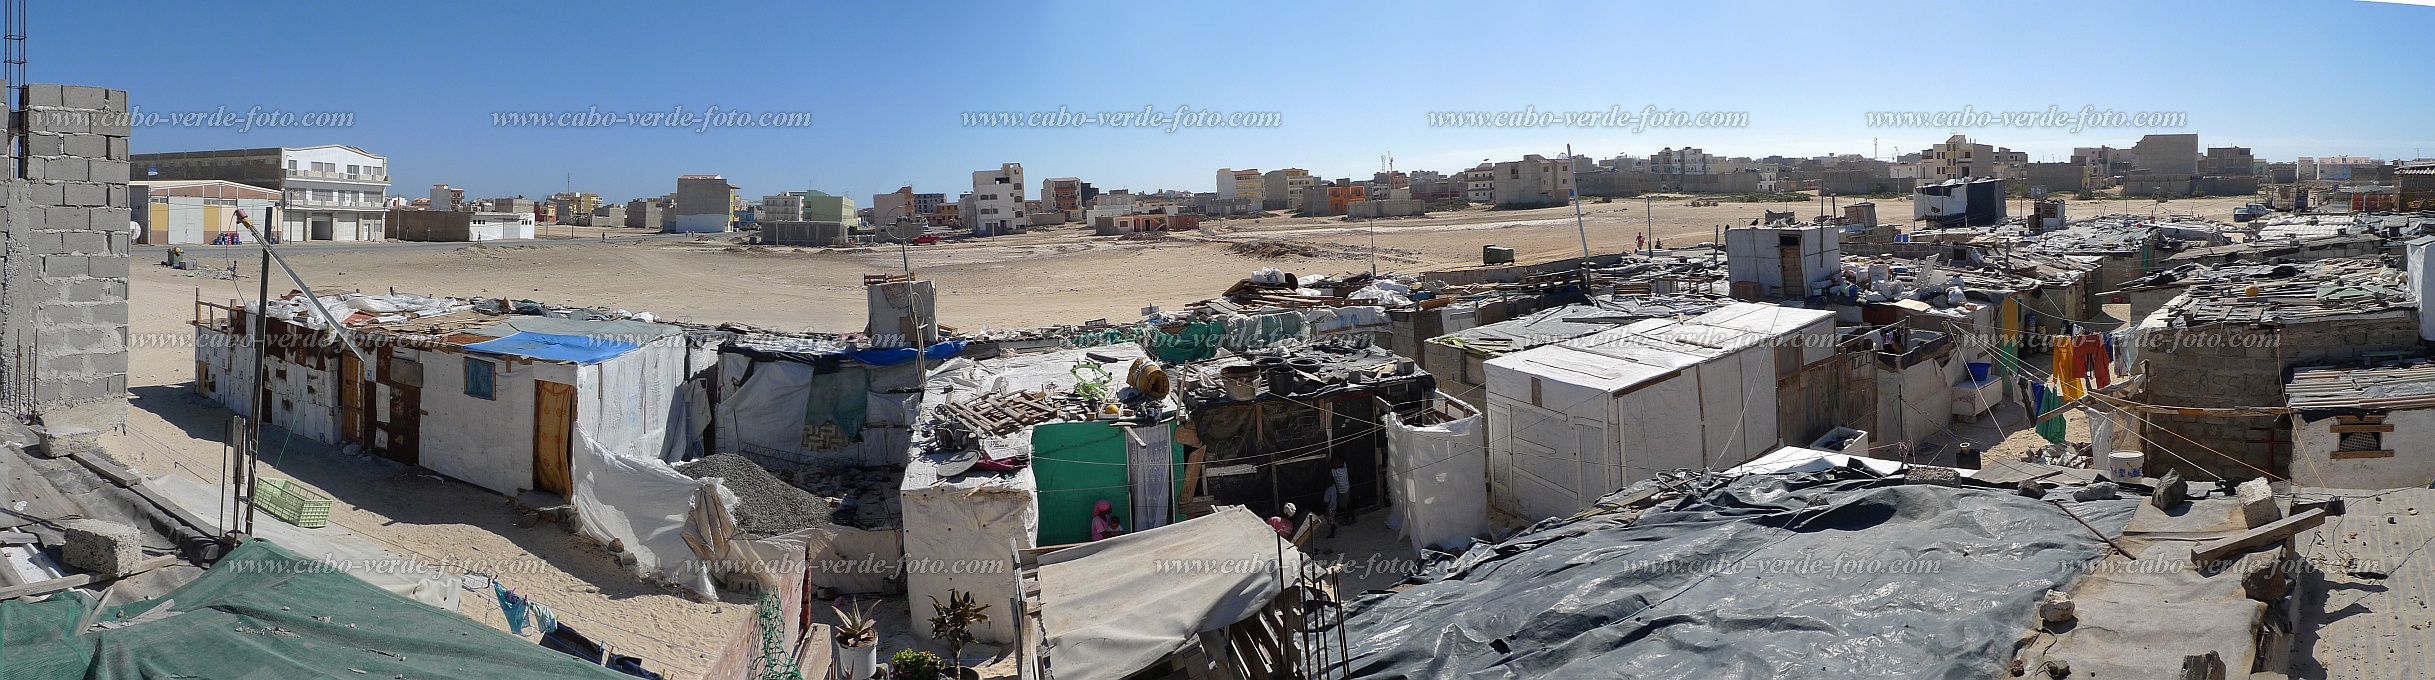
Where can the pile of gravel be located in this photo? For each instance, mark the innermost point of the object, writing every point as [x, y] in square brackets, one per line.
[768, 505]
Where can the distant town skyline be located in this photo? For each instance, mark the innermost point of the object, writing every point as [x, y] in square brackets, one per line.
[891, 92]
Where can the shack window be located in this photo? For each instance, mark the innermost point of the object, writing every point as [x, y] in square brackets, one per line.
[479, 374]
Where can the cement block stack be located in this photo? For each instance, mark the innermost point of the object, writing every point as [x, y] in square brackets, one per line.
[63, 285]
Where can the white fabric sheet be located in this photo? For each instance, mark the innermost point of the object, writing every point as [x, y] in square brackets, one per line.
[1440, 477]
[1114, 607]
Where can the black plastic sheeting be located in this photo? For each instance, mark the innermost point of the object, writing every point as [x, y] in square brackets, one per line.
[1826, 574]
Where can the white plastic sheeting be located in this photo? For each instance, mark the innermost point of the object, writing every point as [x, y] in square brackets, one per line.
[483, 442]
[765, 411]
[960, 534]
[643, 505]
[1114, 607]
[628, 403]
[1439, 475]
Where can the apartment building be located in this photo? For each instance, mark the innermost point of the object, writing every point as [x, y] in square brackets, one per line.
[331, 192]
[574, 207]
[1683, 161]
[1334, 198]
[2167, 154]
[1246, 184]
[996, 205]
[1479, 184]
[1063, 194]
[2228, 160]
[1534, 181]
[784, 206]
[1282, 189]
[446, 198]
[704, 203]
[1958, 157]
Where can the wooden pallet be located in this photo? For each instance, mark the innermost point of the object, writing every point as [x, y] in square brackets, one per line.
[1003, 413]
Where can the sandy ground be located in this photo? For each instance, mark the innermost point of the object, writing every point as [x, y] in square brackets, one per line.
[1052, 275]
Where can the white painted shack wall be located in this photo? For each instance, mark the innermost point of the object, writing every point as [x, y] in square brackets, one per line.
[306, 402]
[960, 534]
[2410, 441]
[483, 442]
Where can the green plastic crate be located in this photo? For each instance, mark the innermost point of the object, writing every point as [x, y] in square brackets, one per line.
[292, 502]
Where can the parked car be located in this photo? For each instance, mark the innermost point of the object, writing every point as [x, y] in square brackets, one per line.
[927, 239]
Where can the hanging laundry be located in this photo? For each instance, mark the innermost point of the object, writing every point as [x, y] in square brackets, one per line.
[2100, 360]
[511, 605]
[2067, 370]
[2051, 428]
[544, 620]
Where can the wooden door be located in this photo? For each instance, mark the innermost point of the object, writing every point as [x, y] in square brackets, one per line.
[398, 416]
[553, 437]
[350, 398]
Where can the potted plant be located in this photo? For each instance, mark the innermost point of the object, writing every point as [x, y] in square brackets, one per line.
[951, 623]
[913, 665]
[857, 643]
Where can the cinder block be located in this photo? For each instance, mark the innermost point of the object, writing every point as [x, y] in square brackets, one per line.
[105, 170]
[118, 148]
[115, 195]
[110, 124]
[63, 266]
[43, 94]
[118, 241]
[49, 391]
[113, 313]
[117, 99]
[83, 97]
[108, 363]
[45, 144]
[90, 194]
[113, 220]
[81, 146]
[58, 120]
[55, 168]
[107, 266]
[62, 313]
[48, 193]
[103, 547]
[83, 243]
[88, 389]
[64, 217]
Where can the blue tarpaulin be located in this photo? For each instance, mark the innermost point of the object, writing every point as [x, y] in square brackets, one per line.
[576, 348]
[897, 355]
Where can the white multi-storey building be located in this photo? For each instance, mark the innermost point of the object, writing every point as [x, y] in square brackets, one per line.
[997, 201]
[331, 192]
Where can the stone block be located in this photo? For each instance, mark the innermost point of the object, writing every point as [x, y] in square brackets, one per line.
[118, 241]
[103, 547]
[85, 389]
[43, 94]
[113, 313]
[107, 266]
[118, 148]
[110, 363]
[114, 195]
[63, 266]
[2257, 503]
[91, 194]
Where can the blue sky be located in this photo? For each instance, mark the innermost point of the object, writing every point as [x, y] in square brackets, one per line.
[886, 82]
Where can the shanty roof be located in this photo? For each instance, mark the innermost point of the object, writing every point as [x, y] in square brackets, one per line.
[2410, 384]
[1575, 320]
[1112, 608]
[2324, 290]
[2096, 236]
[2265, 248]
[1832, 573]
[1619, 358]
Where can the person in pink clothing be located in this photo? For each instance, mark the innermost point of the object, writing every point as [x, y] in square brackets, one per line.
[1104, 522]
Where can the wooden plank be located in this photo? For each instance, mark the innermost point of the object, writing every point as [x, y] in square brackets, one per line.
[2341, 429]
[2349, 455]
[2276, 531]
[46, 587]
[102, 466]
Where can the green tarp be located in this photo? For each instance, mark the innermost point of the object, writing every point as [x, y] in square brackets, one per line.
[265, 612]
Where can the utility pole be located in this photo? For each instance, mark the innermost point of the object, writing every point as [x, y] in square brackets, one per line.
[1579, 224]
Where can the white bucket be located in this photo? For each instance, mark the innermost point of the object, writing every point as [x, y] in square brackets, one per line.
[2126, 465]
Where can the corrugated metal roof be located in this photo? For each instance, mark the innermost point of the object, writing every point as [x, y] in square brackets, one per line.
[2407, 386]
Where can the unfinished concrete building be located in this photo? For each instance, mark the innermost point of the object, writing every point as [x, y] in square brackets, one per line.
[63, 273]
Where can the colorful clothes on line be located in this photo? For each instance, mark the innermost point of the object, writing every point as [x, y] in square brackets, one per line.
[511, 605]
[544, 620]
[2051, 428]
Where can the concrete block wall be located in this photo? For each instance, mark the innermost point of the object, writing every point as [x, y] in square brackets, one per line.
[2227, 366]
[64, 263]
